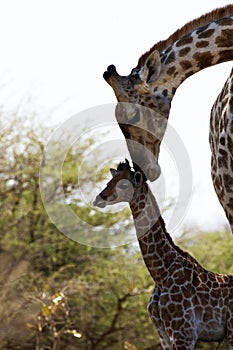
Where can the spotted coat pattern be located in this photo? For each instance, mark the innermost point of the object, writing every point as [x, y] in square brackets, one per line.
[189, 303]
[152, 84]
[221, 144]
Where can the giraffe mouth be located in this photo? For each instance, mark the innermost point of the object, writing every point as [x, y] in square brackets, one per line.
[153, 171]
[99, 202]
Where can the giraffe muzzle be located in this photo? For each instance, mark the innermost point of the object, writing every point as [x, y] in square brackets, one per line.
[109, 72]
[99, 202]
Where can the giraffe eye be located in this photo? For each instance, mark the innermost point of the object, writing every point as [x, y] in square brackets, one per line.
[123, 184]
[134, 76]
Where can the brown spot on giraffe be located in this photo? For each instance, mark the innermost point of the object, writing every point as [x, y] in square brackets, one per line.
[225, 39]
[225, 55]
[187, 39]
[171, 70]
[185, 64]
[201, 44]
[203, 59]
[222, 141]
[206, 34]
[184, 51]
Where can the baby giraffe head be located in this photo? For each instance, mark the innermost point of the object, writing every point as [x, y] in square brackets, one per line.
[121, 188]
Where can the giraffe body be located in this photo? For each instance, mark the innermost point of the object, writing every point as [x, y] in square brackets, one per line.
[202, 43]
[190, 310]
[189, 303]
[221, 144]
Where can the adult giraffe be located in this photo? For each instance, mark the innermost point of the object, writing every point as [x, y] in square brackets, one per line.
[199, 44]
[189, 303]
[221, 144]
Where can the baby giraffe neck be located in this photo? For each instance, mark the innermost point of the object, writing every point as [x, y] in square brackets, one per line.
[157, 247]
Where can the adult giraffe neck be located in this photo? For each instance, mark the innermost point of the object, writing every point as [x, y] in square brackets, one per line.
[201, 43]
[204, 47]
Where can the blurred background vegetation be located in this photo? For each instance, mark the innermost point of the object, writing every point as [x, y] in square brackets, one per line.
[57, 293]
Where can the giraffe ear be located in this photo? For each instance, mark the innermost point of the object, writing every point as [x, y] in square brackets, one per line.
[138, 178]
[151, 68]
[113, 172]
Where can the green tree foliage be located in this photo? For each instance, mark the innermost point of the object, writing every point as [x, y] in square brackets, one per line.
[57, 293]
[60, 294]
[212, 249]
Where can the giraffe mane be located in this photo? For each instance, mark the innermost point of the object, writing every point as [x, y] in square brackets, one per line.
[186, 29]
[124, 165]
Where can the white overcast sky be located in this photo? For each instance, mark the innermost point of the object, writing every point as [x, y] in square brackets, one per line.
[53, 54]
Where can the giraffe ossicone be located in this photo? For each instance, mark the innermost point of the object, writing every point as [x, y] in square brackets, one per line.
[189, 303]
[201, 43]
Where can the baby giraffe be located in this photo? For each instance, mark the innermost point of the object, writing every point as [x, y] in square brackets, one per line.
[189, 303]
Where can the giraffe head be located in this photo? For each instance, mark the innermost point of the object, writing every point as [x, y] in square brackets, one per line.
[143, 85]
[138, 84]
[122, 186]
[142, 111]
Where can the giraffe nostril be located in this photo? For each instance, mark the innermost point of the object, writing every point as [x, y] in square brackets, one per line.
[99, 202]
[103, 196]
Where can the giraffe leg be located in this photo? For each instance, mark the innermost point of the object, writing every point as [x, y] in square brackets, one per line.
[183, 339]
[183, 335]
[182, 344]
[229, 340]
[153, 309]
